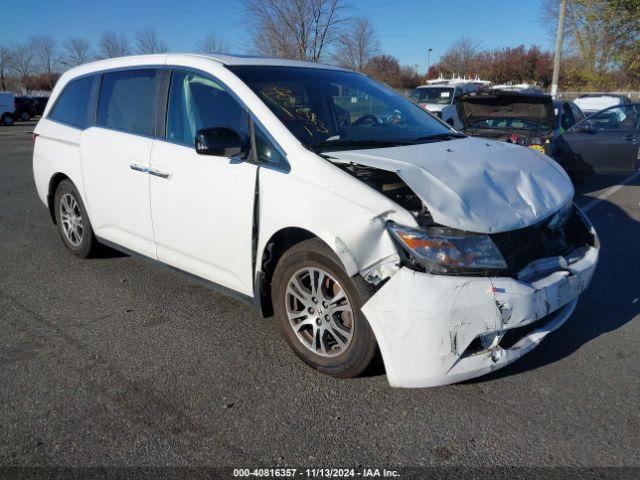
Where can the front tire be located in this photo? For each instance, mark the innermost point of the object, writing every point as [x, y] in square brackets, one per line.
[73, 222]
[317, 306]
[7, 120]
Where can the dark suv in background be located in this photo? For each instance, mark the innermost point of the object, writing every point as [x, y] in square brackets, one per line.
[39, 104]
[26, 107]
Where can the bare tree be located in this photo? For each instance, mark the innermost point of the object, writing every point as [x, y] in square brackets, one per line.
[458, 58]
[148, 41]
[296, 29]
[22, 63]
[599, 34]
[113, 45]
[211, 44]
[46, 58]
[357, 44]
[76, 51]
[5, 64]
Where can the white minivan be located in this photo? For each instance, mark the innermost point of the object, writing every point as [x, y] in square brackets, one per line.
[360, 221]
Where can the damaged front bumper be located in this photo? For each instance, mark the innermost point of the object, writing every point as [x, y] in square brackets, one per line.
[435, 330]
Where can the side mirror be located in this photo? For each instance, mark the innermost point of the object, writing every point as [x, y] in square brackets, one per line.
[219, 142]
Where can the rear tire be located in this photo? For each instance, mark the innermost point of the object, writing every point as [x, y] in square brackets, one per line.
[322, 321]
[73, 222]
[25, 116]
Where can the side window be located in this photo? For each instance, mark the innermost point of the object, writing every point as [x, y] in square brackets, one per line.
[617, 118]
[197, 102]
[567, 117]
[72, 105]
[577, 114]
[127, 101]
[265, 150]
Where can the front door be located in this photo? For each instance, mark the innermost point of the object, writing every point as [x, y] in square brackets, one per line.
[607, 142]
[202, 206]
[115, 160]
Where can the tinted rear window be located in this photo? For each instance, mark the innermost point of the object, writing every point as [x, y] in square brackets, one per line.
[127, 101]
[72, 104]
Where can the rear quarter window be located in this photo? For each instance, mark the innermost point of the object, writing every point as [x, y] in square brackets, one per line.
[127, 101]
[72, 104]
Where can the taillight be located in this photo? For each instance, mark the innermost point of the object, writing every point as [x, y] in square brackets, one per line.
[34, 135]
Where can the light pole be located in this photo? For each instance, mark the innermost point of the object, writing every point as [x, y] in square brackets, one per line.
[556, 58]
[429, 60]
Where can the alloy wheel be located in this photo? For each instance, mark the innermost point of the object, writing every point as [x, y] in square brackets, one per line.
[319, 312]
[71, 219]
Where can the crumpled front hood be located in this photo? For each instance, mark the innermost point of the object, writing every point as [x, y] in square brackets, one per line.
[475, 184]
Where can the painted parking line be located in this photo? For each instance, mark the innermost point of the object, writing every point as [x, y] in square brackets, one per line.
[610, 191]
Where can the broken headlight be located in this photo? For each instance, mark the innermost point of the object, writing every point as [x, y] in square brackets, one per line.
[446, 250]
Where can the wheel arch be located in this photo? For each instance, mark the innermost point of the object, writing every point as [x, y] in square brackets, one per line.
[6, 115]
[55, 180]
[279, 242]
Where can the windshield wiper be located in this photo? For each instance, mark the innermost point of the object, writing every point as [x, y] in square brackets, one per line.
[438, 136]
[339, 144]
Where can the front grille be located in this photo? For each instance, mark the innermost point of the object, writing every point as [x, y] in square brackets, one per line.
[514, 335]
[521, 247]
[510, 336]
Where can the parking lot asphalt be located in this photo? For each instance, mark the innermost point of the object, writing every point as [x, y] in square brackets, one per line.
[116, 362]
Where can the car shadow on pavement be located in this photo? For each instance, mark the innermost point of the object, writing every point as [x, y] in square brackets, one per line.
[611, 301]
[590, 184]
[107, 252]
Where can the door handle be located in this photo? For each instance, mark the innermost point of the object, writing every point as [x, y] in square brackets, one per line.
[631, 138]
[157, 173]
[138, 168]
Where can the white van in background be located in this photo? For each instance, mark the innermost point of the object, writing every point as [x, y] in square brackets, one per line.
[7, 107]
[439, 98]
[591, 103]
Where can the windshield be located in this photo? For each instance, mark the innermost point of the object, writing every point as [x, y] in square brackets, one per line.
[332, 109]
[507, 123]
[440, 95]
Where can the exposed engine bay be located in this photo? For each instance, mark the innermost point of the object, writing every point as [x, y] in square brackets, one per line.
[517, 137]
[393, 187]
[520, 118]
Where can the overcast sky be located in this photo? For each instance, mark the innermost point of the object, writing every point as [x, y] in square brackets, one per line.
[406, 28]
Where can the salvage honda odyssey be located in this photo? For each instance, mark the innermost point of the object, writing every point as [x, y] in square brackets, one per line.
[361, 222]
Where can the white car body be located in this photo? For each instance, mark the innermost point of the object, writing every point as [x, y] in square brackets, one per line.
[423, 322]
[447, 113]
